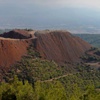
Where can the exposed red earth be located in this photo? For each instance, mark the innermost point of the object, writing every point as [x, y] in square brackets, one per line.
[12, 48]
[59, 46]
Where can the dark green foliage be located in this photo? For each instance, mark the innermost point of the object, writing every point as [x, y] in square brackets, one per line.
[76, 84]
[50, 91]
[50, 81]
[97, 52]
[90, 94]
[92, 55]
[16, 90]
[93, 49]
[93, 39]
[8, 95]
[37, 69]
[87, 58]
[72, 88]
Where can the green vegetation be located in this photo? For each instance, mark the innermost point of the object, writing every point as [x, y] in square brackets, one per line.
[40, 79]
[93, 39]
[78, 85]
[89, 58]
[37, 69]
[33, 68]
[16, 90]
[97, 52]
[84, 85]
[92, 55]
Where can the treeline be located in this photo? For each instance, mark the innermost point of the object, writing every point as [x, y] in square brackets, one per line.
[80, 83]
[18, 90]
[84, 85]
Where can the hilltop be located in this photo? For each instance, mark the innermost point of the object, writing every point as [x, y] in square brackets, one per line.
[59, 46]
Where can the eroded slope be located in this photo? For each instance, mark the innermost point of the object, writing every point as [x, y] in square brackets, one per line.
[60, 46]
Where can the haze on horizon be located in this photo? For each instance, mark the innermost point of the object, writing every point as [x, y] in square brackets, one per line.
[52, 14]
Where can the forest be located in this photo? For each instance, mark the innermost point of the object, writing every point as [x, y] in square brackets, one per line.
[37, 79]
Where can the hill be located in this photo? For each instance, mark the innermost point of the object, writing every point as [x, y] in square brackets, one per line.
[93, 39]
[56, 64]
[12, 48]
[59, 46]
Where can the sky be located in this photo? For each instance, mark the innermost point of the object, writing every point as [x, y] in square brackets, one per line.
[71, 3]
[49, 13]
[95, 4]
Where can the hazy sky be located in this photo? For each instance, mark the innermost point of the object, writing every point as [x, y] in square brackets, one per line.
[48, 12]
[72, 3]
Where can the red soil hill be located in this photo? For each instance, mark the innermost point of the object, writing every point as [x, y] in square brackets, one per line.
[60, 46]
[11, 48]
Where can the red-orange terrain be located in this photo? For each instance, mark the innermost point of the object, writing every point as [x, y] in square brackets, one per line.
[59, 46]
[12, 48]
